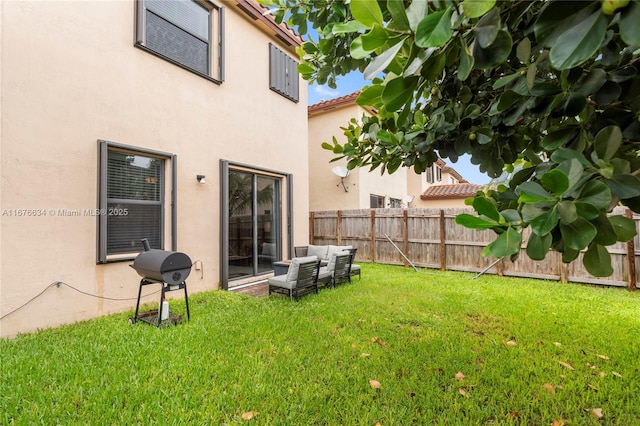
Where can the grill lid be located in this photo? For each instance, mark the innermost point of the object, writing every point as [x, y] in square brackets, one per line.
[161, 265]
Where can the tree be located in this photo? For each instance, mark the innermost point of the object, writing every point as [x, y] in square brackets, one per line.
[546, 90]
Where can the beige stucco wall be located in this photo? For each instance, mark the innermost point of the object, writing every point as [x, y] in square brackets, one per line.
[70, 75]
[325, 191]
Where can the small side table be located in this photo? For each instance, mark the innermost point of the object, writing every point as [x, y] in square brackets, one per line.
[281, 268]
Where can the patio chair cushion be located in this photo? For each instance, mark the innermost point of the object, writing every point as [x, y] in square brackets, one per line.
[335, 249]
[281, 281]
[292, 273]
[319, 251]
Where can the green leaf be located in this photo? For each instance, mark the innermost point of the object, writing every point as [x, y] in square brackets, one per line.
[538, 247]
[466, 61]
[507, 244]
[563, 154]
[398, 92]
[356, 49]
[597, 261]
[579, 42]
[575, 104]
[477, 8]
[532, 192]
[366, 11]
[379, 63]
[595, 193]
[558, 138]
[370, 95]
[624, 227]
[607, 142]
[475, 222]
[398, 14]
[586, 210]
[486, 208]
[567, 211]
[484, 135]
[555, 181]
[348, 27]
[503, 81]
[606, 234]
[544, 224]
[523, 51]
[375, 38]
[305, 68]
[593, 83]
[486, 30]
[416, 11]
[557, 16]
[578, 234]
[628, 24]
[495, 54]
[624, 186]
[434, 30]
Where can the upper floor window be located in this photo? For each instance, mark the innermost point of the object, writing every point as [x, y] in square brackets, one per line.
[185, 32]
[434, 174]
[283, 74]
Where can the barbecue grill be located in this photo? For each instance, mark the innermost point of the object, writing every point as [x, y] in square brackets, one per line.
[170, 269]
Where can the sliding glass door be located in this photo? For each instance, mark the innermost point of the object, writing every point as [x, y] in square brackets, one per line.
[253, 223]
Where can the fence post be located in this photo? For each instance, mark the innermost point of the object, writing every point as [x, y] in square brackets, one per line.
[339, 227]
[631, 256]
[372, 250]
[405, 233]
[443, 245]
[311, 225]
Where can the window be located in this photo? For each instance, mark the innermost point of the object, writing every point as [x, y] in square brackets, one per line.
[376, 201]
[283, 74]
[434, 173]
[395, 203]
[131, 200]
[429, 175]
[185, 32]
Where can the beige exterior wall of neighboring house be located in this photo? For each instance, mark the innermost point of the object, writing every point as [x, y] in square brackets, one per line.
[70, 75]
[325, 189]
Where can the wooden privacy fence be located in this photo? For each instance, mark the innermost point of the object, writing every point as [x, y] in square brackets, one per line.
[430, 238]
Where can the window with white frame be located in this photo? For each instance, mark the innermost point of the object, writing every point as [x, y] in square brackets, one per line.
[131, 200]
[283, 74]
[395, 203]
[188, 33]
[438, 173]
[429, 173]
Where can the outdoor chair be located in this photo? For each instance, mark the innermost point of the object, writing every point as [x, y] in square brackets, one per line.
[301, 279]
[337, 271]
[300, 251]
[355, 269]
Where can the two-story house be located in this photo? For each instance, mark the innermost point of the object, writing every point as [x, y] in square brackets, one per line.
[169, 120]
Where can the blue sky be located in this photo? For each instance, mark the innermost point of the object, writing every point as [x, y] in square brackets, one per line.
[353, 82]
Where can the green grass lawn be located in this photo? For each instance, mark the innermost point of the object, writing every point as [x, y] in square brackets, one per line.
[397, 347]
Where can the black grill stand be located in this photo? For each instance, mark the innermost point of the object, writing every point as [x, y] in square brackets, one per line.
[150, 317]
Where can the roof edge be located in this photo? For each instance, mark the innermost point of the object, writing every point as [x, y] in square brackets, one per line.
[256, 12]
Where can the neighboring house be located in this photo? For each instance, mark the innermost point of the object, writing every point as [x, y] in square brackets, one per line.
[439, 186]
[361, 188]
[122, 120]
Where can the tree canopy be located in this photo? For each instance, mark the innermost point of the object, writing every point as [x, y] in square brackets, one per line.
[548, 91]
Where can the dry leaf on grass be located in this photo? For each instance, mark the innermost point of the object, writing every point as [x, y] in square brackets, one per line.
[550, 388]
[558, 422]
[603, 356]
[566, 365]
[249, 415]
[557, 343]
[509, 343]
[375, 384]
[479, 360]
[616, 374]
[463, 392]
[597, 413]
[459, 376]
[590, 386]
